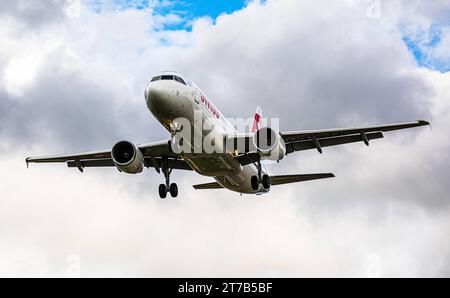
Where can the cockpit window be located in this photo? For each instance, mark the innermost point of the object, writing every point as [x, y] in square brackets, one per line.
[169, 78]
[166, 77]
[180, 80]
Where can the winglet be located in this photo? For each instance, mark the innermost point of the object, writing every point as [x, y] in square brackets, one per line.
[423, 122]
[27, 160]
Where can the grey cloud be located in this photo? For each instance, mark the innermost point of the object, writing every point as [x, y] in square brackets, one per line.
[436, 11]
[73, 112]
[322, 77]
[34, 13]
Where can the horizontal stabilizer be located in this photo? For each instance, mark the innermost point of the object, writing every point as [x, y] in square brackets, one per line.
[212, 185]
[285, 179]
[275, 180]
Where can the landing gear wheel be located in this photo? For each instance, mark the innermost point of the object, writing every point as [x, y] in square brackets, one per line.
[266, 182]
[254, 182]
[162, 191]
[168, 187]
[173, 190]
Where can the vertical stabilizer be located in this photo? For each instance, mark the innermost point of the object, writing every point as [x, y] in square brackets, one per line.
[257, 120]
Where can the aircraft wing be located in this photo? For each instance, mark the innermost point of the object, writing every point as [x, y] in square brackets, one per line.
[153, 155]
[316, 139]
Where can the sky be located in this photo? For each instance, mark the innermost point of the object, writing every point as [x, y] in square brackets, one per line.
[72, 78]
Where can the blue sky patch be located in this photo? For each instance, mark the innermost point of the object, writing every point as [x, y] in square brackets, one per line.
[193, 9]
[422, 45]
[186, 10]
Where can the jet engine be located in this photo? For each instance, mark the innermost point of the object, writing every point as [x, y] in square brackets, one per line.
[269, 144]
[127, 157]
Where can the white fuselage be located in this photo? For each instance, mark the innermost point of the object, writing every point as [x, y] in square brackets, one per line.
[169, 100]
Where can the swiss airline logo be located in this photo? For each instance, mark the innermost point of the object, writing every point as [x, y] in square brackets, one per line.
[210, 106]
[257, 120]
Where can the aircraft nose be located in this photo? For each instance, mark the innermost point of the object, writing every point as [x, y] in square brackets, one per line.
[159, 99]
[155, 92]
[156, 95]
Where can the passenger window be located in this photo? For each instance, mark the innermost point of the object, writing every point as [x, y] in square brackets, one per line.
[156, 78]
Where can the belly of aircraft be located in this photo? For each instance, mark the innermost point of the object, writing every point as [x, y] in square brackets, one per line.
[213, 164]
[240, 181]
[225, 170]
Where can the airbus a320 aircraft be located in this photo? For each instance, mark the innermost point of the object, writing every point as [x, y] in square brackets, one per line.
[170, 96]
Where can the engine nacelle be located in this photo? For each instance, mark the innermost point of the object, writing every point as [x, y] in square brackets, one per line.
[127, 157]
[269, 144]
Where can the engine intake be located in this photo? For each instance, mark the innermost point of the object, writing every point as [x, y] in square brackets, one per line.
[269, 144]
[127, 157]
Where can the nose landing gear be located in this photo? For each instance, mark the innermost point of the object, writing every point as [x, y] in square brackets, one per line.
[171, 188]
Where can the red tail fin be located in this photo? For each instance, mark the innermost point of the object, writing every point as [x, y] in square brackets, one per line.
[257, 120]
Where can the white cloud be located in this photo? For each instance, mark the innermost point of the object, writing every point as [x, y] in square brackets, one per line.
[28, 57]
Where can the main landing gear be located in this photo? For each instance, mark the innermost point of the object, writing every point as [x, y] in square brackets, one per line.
[264, 180]
[164, 189]
[171, 188]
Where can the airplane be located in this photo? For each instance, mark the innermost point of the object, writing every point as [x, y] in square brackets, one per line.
[237, 165]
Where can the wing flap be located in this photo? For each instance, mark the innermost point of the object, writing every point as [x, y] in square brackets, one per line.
[63, 158]
[107, 162]
[332, 141]
[172, 163]
[176, 164]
